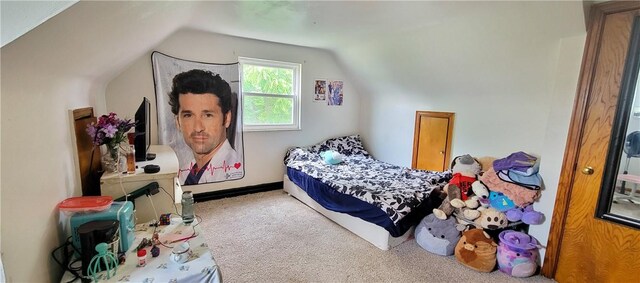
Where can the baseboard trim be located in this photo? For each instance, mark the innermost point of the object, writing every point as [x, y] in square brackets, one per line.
[238, 191]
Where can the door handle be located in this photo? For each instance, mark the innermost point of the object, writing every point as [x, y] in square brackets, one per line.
[587, 170]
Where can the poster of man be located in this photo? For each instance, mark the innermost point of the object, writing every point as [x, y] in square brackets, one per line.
[199, 116]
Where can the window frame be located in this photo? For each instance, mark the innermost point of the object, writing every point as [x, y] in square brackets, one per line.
[296, 96]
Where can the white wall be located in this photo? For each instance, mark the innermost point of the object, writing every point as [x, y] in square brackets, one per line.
[264, 151]
[510, 77]
[486, 66]
[494, 70]
[67, 62]
[37, 163]
[60, 65]
[567, 69]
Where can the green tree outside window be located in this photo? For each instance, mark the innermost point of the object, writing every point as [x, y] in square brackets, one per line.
[268, 95]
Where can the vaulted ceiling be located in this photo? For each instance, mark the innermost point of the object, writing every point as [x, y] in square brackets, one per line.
[107, 35]
[322, 24]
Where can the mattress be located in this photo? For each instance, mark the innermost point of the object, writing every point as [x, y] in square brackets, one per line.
[372, 233]
[390, 196]
[333, 200]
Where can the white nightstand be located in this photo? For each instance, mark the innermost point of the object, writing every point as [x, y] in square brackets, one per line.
[112, 184]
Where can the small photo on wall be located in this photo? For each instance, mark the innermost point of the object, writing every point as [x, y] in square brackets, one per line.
[335, 93]
[320, 91]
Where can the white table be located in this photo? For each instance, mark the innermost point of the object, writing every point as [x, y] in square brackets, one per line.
[201, 266]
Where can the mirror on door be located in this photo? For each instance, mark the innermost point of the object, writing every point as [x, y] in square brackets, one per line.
[619, 199]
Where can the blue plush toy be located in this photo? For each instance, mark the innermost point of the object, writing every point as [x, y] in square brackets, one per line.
[500, 202]
[331, 157]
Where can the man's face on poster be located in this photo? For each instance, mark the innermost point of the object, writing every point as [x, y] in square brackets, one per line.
[201, 121]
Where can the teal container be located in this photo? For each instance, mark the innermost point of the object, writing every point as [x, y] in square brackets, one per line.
[119, 210]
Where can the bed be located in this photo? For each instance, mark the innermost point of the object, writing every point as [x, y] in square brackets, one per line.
[377, 201]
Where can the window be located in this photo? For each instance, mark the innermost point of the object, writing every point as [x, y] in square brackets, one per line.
[270, 95]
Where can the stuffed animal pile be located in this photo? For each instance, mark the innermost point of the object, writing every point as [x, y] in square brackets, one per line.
[486, 200]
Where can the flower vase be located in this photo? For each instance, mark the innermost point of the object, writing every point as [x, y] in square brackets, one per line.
[112, 159]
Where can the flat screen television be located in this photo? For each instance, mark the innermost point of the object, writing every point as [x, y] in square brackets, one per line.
[142, 139]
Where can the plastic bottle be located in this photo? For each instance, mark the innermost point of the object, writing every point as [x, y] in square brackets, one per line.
[142, 257]
[131, 160]
[187, 207]
[131, 155]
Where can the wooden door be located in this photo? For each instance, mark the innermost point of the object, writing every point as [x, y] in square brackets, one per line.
[432, 140]
[583, 247]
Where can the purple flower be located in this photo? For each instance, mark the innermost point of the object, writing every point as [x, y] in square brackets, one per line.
[110, 131]
[91, 130]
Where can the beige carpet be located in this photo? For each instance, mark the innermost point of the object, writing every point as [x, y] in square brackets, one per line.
[272, 237]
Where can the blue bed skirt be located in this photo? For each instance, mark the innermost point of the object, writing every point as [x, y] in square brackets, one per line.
[333, 200]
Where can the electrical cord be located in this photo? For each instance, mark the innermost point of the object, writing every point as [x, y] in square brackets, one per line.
[124, 192]
[67, 262]
[155, 212]
[69, 248]
[193, 235]
[172, 201]
[179, 214]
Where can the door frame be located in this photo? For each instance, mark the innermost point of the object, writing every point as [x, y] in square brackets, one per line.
[594, 34]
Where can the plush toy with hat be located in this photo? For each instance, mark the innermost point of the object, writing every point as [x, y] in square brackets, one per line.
[465, 169]
[437, 236]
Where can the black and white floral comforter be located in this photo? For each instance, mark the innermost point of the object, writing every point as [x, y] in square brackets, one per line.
[393, 189]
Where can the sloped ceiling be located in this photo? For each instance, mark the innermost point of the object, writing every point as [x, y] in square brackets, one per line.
[329, 25]
[128, 29]
[322, 24]
[19, 17]
[306, 23]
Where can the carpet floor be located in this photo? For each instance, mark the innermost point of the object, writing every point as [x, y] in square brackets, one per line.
[272, 237]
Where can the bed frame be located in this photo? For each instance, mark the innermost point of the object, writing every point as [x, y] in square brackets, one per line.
[373, 233]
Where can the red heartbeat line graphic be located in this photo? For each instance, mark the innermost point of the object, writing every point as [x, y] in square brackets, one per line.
[210, 168]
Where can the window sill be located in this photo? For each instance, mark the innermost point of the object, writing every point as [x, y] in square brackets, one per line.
[271, 128]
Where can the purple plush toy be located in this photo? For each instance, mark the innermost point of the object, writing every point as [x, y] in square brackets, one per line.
[517, 254]
[527, 215]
